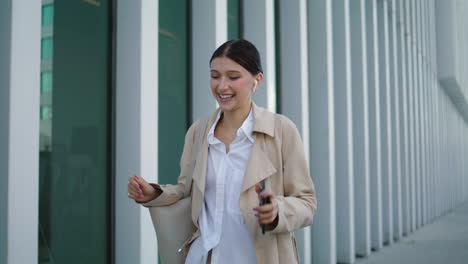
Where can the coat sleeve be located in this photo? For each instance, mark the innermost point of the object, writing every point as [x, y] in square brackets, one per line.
[298, 205]
[173, 193]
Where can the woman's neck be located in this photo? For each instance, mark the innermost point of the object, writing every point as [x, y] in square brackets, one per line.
[234, 119]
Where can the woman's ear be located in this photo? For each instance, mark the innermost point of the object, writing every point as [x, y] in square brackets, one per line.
[257, 81]
[255, 85]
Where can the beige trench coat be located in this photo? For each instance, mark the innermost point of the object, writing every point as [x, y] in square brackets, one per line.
[278, 157]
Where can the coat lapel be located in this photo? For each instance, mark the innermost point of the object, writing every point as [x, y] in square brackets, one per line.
[199, 177]
[199, 172]
[259, 166]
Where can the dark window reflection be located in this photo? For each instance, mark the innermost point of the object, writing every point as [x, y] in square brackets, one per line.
[74, 222]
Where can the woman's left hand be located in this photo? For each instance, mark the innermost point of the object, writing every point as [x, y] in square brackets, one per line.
[267, 214]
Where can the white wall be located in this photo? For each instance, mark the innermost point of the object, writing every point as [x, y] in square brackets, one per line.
[136, 126]
[20, 71]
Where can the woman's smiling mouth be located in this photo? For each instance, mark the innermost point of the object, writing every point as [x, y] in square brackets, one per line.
[225, 98]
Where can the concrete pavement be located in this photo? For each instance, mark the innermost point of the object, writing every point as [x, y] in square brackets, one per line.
[445, 241]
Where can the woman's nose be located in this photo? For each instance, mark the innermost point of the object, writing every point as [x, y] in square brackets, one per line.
[223, 84]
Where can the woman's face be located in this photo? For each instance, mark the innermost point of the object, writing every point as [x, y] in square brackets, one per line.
[231, 84]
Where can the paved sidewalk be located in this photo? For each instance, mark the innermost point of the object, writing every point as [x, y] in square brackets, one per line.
[443, 241]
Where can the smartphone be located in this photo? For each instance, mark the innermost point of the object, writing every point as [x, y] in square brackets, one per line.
[264, 201]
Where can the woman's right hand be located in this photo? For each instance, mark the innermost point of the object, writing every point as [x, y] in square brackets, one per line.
[141, 191]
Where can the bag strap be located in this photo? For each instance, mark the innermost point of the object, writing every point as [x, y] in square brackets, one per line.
[199, 139]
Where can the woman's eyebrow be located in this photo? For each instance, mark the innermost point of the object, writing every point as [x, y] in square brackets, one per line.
[230, 71]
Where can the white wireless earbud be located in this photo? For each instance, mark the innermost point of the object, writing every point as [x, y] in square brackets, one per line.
[255, 85]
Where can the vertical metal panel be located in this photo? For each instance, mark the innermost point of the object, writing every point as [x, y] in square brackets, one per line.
[360, 127]
[374, 124]
[136, 126]
[436, 160]
[148, 117]
[209, 31]
[422, 146]
[440, 183]
[432, 124]
[425, 144]
[395, 63]
[416, 125]
[445, 181]
[385, 120]
[403, 88]
[420, 112]
[436, 113]
[465, 166]
[411, 115]
[446, 168]
[436, 93]
[441, 149]
[433, 113]
[5, 64]
[322, 132]
[294, 72]
[344, 133]
[259, 18]
[429, 118]
[20, 86]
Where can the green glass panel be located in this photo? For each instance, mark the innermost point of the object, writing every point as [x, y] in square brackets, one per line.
[278, 56]
[173, 86]
[47, 15]
[233, 19]
[47, 48]
[46, 82]
[46, 112]
[74, 177]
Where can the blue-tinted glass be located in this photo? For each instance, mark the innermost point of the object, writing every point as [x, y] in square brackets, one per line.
[46, 112]
[46, 82]
[47, 48]
[173, 86]
[74, 176]
[233, 19]
[47, 15]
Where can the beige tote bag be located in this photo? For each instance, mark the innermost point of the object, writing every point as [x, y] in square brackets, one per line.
[173, 223]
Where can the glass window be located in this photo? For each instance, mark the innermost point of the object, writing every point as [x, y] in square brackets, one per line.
[47, 47]
[173, 86]
[47, 15]
[46, 82]
[46, 112]
[278, 56]
[75, 153]
[234, 26]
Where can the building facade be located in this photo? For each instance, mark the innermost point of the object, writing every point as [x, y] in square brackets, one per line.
[95, 91]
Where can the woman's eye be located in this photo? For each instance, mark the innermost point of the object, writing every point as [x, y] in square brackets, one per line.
[214, 77]
[234, 77]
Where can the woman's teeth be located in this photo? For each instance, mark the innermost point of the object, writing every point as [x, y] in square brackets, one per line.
[225, 96]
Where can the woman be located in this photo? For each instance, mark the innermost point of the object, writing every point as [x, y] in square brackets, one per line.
[247, 146]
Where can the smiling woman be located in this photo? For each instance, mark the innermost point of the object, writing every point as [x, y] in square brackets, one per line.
[235, 75]
[232, 86]
[246, 155]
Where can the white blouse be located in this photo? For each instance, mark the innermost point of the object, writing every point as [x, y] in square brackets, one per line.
[222, 226]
